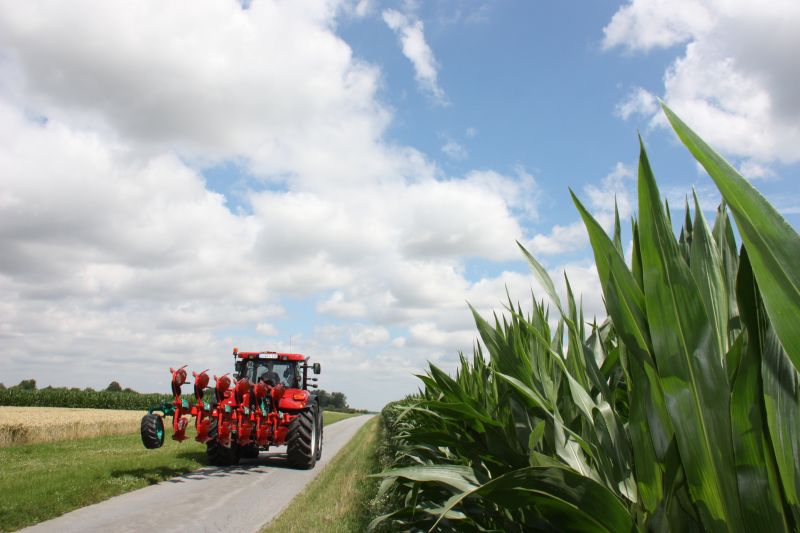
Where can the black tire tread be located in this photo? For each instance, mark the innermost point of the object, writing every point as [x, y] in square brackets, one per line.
[216, 453]
[149, 429]
[249, 451]
[320, 430]
[299, 448]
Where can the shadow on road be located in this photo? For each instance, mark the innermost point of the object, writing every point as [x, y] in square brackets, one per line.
[164, 474]
[264, 462]
[153, 475]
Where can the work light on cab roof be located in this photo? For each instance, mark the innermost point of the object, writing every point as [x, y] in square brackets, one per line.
[268, 401]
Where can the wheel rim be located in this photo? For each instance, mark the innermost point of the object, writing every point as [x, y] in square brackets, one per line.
[160, 431]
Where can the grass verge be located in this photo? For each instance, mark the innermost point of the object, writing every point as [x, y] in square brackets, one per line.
[338, 500]
[329, 417]
[42, 481]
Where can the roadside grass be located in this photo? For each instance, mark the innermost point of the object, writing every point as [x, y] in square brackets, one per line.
[42, 481]
[338, 500]
[329, 417]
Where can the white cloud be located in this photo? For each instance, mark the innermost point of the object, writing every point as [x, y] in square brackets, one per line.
[471, 132]
[267, 329]
[639, 101]
[367, 336]
[454, 150]
[734, 82]
[601, 199]
[118, 260]
[429, 334]
[647, 24]
[410, 30]
[363, 7]
[752, 169]
[337, 306]
[266, 85]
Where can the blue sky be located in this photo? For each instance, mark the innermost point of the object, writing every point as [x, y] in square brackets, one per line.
[176, 180]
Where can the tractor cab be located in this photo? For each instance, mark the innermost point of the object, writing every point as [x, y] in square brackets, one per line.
[273, 369]
[271, 372]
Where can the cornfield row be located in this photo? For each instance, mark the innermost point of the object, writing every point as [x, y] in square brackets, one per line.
[27, 425]
[80, 399]
[680, 412]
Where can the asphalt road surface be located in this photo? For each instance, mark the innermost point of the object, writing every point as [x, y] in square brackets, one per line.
[239, 498]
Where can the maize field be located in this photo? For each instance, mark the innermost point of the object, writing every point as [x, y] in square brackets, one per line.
[678, 412]
[133, 401]
[28, 425]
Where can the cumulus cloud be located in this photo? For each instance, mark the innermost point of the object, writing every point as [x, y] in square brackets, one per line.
[613, 188]
[639, 101]
[367, 336]
[410, 31]
[267, 329]
[454, 150]
[266, 84]
[119, 260]
[734, 82]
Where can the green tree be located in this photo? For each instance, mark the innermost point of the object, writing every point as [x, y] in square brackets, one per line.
[324, 398]
[26, 384]
[338, 400]
[114, 386]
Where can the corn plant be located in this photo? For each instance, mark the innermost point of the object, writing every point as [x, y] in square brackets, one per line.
[679, 412]
[80, 398]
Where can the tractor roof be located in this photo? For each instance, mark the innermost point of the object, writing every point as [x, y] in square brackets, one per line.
[269, 355]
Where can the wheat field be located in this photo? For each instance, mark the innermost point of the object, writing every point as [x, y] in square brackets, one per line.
[26, 425]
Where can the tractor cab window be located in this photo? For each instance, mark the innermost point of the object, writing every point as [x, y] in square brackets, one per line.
[272, 372]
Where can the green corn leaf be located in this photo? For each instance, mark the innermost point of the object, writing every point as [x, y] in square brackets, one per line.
[759, 486]
[625, 303]
[726, 244]
[689, 363]
[617, 230]
[568, 501]
[782, 405]
[706, 267]
[543, 278]
[608, 261]
[456, 477]
[636, 256]
[772, 245]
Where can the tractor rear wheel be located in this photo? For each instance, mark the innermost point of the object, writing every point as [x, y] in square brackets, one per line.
[152, 431]
[320, 426]
[249, 451]
[302, 439]
[216, 453]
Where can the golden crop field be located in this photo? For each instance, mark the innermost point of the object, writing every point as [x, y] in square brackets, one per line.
[25, 425]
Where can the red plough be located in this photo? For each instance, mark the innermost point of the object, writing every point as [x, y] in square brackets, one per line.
[269, 404]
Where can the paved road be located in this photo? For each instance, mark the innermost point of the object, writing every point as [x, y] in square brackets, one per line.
[238, 498]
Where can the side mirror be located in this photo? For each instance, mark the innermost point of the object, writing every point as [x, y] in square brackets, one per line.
[317, 368]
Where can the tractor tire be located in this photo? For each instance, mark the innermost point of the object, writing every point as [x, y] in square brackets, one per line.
[152, 431]
[302, 438]
[320, 430]
[216, 453]
[248, 452]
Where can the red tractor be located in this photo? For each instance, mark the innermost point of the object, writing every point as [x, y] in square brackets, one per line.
[267, 403]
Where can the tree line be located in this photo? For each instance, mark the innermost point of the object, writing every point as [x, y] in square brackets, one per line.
[26, 393]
